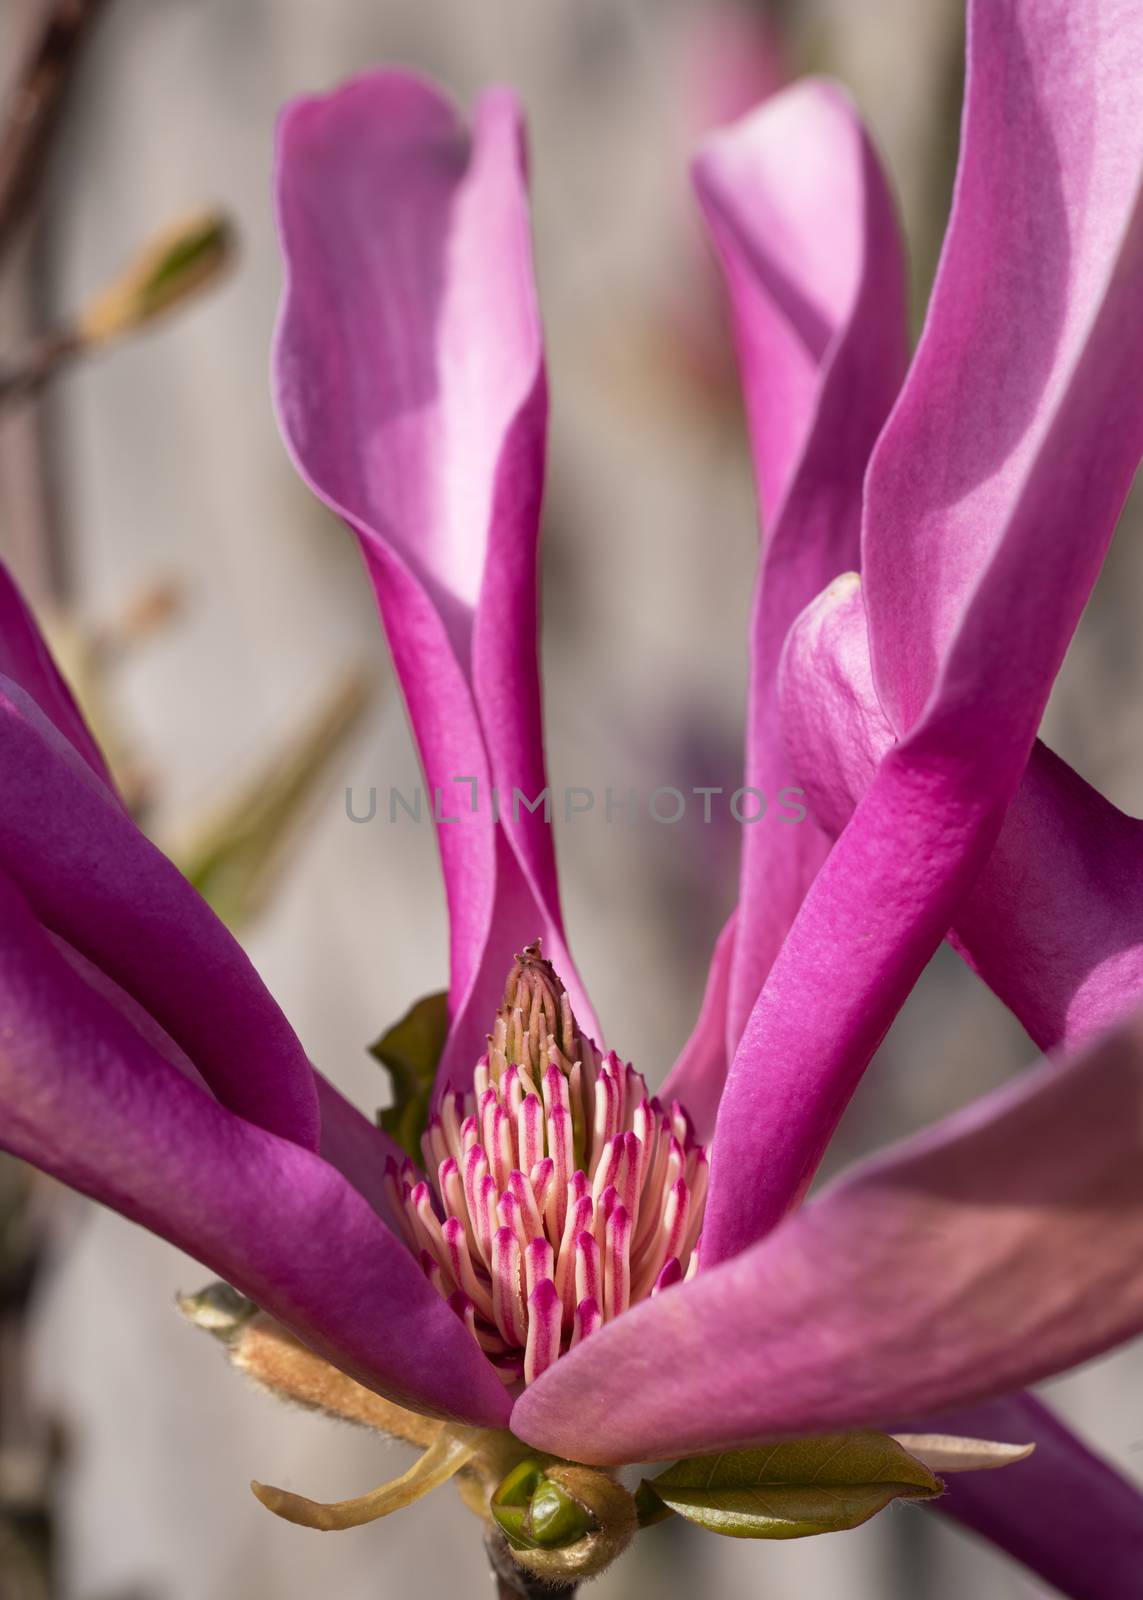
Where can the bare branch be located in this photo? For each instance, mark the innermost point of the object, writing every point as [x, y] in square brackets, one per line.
[31, 114]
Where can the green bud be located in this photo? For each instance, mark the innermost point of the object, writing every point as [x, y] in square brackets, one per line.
[520, 1485]
[535, 1513]
[532, 1512]
[218, 1309]
[510, 1521]
[563, 1522]
[556, 1518]
[177, 264]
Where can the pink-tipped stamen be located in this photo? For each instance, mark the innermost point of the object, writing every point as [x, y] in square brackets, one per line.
[617, 1264]
[588, 1278]
[606, 1204]
[487, 1218]
[544, 1330]
[543, 1176]
[530, 1131]
[508, 1210]
[507, 1291]
[560, 1192]
[531, 1220]
[587, 1320]
[539, 1263]
[671, 1274]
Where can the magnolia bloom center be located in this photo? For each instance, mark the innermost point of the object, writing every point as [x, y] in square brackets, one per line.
[560, 1192]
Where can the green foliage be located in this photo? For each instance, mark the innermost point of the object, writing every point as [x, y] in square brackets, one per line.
[648, 1507]
[409, 1052]
[791, 1490]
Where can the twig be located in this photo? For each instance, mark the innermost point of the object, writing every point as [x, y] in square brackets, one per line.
[512, 1581]
[24, 376]
[174, 266]
[30, 117]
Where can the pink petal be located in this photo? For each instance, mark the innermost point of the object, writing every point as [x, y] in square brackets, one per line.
[998, 1248]
[731, 62]
[87, 1098]
[357, 1147]
[1053, 923]
[26, 659]
[1018, 541]
[836, 731]
[995, 488]
[881, 904]
[805, 232]
[94, 880]
[1067, 1515]
[410, 388]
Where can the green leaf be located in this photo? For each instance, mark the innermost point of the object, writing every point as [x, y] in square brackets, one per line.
[792, 1490]
[409, 1052]
[648, 1507]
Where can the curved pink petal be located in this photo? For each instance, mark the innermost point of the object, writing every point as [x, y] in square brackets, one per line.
[86, 1098]
[358, 1148]
[26, 659]
[93, 879]
[1054, 922]
[1045, 215]
[1067, 1515]
[881, 904]
[997, 1248]
[697, 1077]
[836, 731]
[805, 232]
[1036, 532]
[410, 389]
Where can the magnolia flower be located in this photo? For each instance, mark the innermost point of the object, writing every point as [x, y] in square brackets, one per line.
[530, 1288]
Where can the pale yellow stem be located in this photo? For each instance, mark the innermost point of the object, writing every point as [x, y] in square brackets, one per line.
[441, 1461]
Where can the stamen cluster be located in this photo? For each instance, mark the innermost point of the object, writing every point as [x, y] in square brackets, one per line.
[559, 1194]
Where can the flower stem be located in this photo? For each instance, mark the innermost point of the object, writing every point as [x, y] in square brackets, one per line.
[512, 1582]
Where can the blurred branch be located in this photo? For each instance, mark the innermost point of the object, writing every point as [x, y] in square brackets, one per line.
[234, 858]
[29, 1446]
[31, 115]
[172, 268]
[88, 654]
[147, 611]
[24, 377]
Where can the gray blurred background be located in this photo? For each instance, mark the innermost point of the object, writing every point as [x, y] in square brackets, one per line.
[161, 464]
